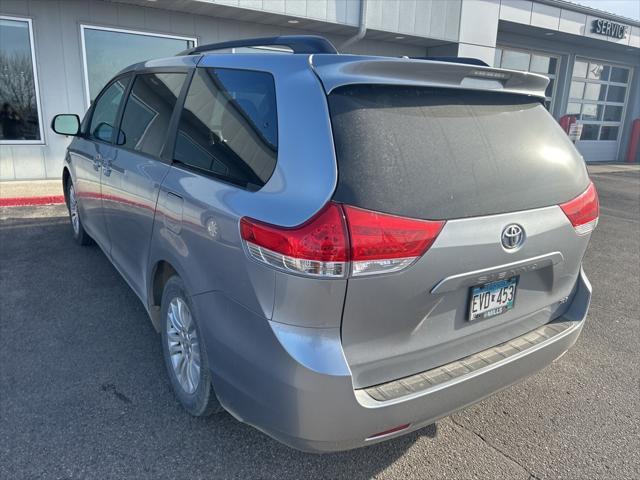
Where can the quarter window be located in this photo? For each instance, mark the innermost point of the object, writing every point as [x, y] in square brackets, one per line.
[105, 111]
[228, 127]
[20, 120]
[148, 111]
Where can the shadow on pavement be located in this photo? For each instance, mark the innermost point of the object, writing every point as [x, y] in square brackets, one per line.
[84, 390]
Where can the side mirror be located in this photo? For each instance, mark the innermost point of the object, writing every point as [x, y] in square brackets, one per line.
[66, 124]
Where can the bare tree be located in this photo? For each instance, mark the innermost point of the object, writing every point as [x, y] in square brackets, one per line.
[16, 83]
[17, 88]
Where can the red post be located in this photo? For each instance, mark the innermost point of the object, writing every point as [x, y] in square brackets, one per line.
[566, 121]
[632, 151]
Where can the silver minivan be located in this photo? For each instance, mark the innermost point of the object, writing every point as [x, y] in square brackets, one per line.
[336, 249]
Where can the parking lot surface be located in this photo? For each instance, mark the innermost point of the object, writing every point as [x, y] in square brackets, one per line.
[84, 394]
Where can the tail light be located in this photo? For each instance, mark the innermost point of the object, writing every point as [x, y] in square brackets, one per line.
[318, 247]
[382, 243]
[583, 211]
[340, 238]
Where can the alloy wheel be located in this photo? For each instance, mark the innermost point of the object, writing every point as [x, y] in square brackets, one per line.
[73, 210]
[184, 347]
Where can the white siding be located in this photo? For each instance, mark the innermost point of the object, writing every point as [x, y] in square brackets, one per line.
[518, 11]
[572, 22]
[435, 19]
[334, 11]
[634, 37]
[545, 16]
[479, 22]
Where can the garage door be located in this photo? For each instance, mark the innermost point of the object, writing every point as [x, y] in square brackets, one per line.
[597, 97]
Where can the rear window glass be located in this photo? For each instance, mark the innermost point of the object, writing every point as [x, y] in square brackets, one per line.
[442, 154]
[229, 126]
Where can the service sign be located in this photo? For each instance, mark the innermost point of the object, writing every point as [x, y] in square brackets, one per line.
[608, 28]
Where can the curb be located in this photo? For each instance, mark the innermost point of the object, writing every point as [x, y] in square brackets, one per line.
[28, 201]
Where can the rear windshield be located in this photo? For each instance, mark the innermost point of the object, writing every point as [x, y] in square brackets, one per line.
[441, 154]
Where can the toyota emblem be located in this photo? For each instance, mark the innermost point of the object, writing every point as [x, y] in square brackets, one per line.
[512, 236]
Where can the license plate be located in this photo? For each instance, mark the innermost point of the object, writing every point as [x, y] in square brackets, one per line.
[492, 298]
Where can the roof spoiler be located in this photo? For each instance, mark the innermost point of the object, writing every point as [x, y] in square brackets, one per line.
[308, 44]
[336, 71]
[466, 60]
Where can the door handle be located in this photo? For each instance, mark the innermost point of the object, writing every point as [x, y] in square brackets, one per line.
[97, 162]
[106, 166]
[173, 210]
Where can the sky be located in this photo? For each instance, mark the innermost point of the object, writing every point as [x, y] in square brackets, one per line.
[626, 8]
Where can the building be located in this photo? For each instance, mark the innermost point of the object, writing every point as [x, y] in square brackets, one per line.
[56, 55]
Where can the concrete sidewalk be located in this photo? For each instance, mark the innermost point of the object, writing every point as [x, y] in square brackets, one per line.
[596, 168]
[31, 192]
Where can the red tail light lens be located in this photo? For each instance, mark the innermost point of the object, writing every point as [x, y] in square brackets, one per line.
[318, 247]
[583, 211]
[382, 243]
[373, 242]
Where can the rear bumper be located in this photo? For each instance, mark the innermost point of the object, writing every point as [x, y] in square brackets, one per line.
[278, 382]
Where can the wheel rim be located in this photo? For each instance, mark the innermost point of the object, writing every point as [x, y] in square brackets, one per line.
[184, 348]
[73, 210]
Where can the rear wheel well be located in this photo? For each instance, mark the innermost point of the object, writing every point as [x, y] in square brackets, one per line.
[162, 272]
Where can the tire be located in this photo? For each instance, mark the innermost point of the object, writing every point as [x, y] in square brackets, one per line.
[80, 235]
[183, 349]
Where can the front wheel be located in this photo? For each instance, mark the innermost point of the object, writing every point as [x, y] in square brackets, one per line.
[184, 352]
[79, 233]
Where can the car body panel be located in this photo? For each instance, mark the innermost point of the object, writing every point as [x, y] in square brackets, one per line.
[130, 187]
[86, 172]
[402, 323]
[289, 354]
[201, 238]
[302, 172]
[313, 406]
[306, 169]
[131, 183]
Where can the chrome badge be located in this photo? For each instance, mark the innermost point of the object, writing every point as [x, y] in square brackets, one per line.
[512, 236]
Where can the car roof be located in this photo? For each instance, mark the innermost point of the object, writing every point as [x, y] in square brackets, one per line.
[336, 70]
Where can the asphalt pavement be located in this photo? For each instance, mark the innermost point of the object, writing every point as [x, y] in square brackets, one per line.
[84, 393]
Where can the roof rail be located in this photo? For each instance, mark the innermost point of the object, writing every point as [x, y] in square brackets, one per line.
[298, 43]
[467, 60]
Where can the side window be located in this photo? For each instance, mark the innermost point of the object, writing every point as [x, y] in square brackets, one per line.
[229, 126]
[148, 111]
[105, 111]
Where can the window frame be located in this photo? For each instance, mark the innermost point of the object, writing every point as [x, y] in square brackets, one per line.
[167, 152]
[36, 84]
[84, 27]
[554, 77]
[87, 131]
[225, 180]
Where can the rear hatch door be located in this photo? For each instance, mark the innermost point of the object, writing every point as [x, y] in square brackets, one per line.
[483, 162]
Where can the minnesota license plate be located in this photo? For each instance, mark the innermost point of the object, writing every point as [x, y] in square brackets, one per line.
[492, 298]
